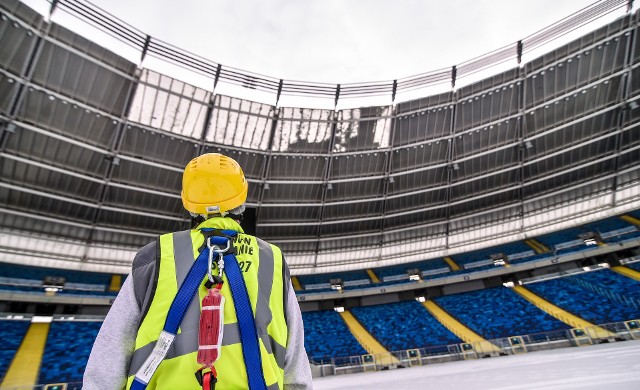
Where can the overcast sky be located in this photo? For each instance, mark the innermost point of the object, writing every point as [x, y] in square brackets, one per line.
[339, 41]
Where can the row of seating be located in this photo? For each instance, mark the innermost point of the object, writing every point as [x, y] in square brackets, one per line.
[498, 312]
[30, 279]
[20, 271]
[11, 333]
[327, 336]
[40, 290]
[587, 304]
[67, 351]
[404, 325]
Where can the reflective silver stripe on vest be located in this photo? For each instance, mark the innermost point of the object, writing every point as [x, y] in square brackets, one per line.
[265, 283]
[263, 311]
[186, 341]
[274, 348]
[183, 344]
[183, 255]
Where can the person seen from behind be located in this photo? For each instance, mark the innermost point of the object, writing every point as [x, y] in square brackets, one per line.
[206, 308]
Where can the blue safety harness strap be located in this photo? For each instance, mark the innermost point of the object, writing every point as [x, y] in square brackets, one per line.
[186, 293]
[246, 324]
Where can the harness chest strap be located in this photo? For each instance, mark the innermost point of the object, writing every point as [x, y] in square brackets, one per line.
[247, 327]
[178, 308]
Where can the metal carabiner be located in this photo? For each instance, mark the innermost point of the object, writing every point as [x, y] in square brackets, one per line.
[216, 249]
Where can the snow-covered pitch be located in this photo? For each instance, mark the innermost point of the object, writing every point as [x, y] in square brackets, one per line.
[613, 366]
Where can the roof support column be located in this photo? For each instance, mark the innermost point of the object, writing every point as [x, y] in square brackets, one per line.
[266, 163]
[450, 167]
[522, 145]
[326, 186]
[388, 180]
[209, 114]
[623, 96]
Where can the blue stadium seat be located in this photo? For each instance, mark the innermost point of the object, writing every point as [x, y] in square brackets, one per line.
[404, 325]
[606, 225]
[498, 312]
[324, 278]
[39, 273]
[327, 336]
[511, 248]
[591, 306]
[11, 332]
[608, 284]
[634, 266]
[67, 351]
[39, 290]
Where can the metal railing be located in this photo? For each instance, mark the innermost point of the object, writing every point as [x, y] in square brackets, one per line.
[562, 338]
[145, 44]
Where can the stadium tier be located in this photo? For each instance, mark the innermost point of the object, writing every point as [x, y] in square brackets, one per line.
[610, 231]
[327, 337]
[586, 303]
[601, 297]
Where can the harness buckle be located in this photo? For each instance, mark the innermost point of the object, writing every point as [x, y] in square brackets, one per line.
[213, 248]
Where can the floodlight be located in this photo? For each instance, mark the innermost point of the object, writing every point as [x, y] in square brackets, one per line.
[336, 284]
[590, 238]
[499, 259]
[415, 274]
[53, 284]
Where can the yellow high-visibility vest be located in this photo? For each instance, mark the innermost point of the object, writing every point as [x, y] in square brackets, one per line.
[262, 266]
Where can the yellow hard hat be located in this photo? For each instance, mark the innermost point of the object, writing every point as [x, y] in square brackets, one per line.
[212, 184]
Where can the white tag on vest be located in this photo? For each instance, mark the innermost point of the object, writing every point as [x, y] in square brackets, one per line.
[156, 357]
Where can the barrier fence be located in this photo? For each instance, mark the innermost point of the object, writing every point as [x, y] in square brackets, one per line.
[575, 337]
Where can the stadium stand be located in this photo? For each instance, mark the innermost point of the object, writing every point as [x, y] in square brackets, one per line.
[405, 325]
[12, 332]
[635, 266]
[351, 280]
[592, 306]
[608, 284]
[67, 351]
[326, 337]
[483, 256]
[498, 312]
[29, 279]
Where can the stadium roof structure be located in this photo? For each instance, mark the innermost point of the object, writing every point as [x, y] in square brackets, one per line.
[92, 148]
